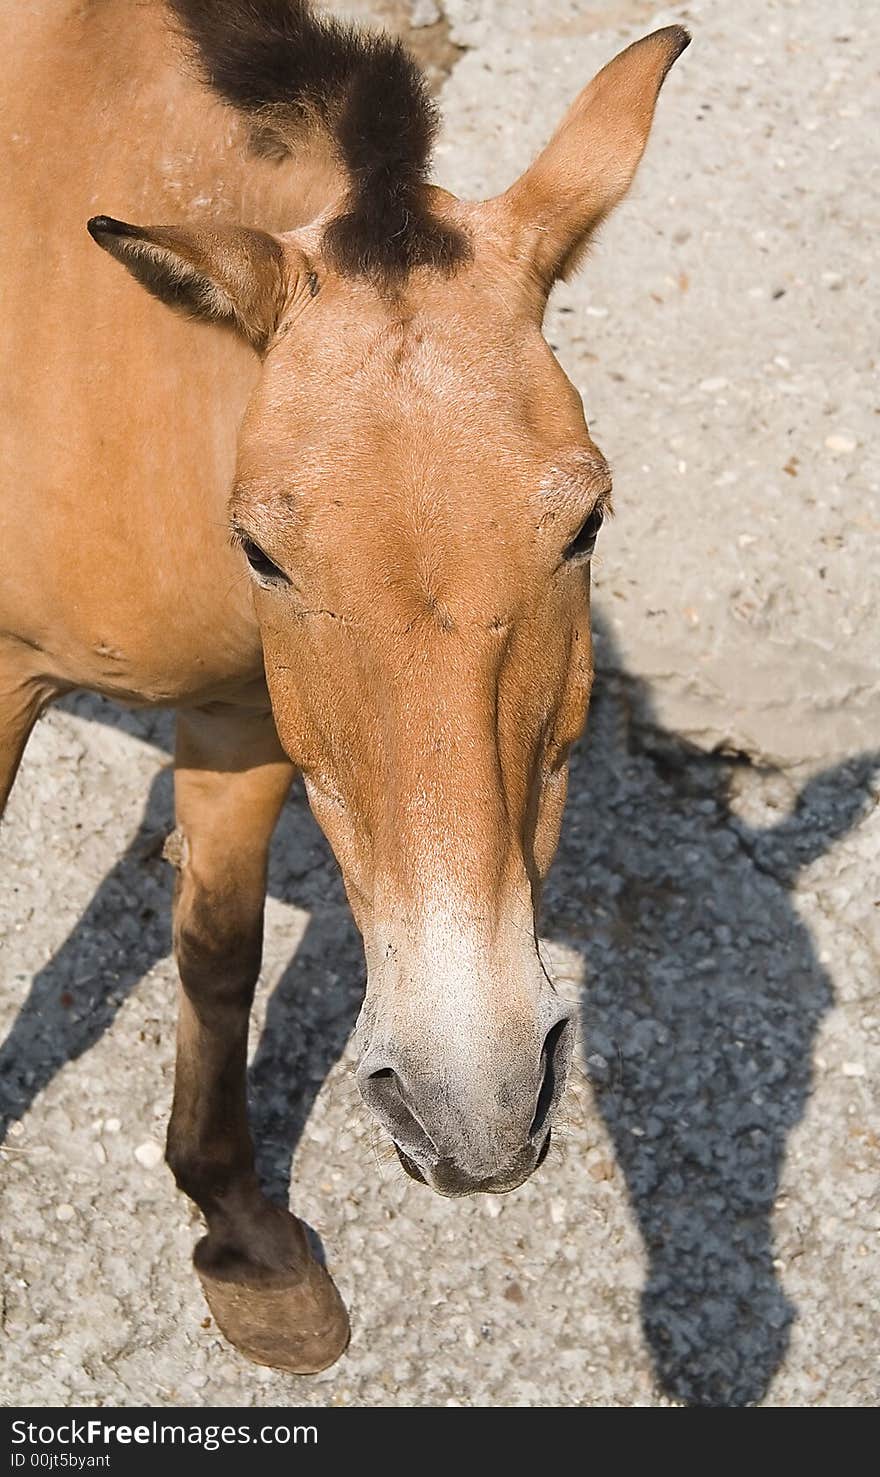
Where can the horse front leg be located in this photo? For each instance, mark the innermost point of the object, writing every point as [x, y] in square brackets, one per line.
[267, 1293]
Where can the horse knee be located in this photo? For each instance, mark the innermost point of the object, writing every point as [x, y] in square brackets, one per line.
[221, 967]
[218, 942]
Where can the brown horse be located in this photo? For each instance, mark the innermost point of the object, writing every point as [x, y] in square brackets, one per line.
[338, 510]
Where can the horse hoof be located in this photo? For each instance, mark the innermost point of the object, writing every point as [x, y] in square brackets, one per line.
[300, 1326]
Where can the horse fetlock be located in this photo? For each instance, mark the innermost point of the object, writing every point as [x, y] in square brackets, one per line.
[250, 1240]
[208, 1180]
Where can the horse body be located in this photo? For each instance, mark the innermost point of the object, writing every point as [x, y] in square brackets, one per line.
[120, 419]
[363, 399]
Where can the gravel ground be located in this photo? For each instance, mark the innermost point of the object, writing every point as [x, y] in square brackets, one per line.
[706, 1227]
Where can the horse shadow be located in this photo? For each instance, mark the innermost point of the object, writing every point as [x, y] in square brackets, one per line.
[702, 1001]
[701, 1004]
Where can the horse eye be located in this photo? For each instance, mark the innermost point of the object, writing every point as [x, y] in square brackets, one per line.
[261, 564]
[583, 544]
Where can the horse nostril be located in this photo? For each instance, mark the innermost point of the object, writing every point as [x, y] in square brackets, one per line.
[554, 1061]
[383, 1092]
[382, 1088]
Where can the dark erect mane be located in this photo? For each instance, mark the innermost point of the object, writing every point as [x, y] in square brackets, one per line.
[277, 62]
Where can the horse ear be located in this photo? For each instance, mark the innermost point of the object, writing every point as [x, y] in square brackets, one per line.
[228, 274]
[589, 164]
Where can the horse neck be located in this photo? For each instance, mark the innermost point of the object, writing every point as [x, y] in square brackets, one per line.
[108, 91]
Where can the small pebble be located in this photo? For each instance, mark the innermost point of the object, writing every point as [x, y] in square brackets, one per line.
[112, 1125]
[840, 443]
[424, 13]
[65, 1213]
[853, 1069]
[712, 386]
[597, 1067]
[149, 1154]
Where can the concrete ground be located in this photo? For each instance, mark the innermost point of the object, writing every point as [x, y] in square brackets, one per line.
[706, 1228]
